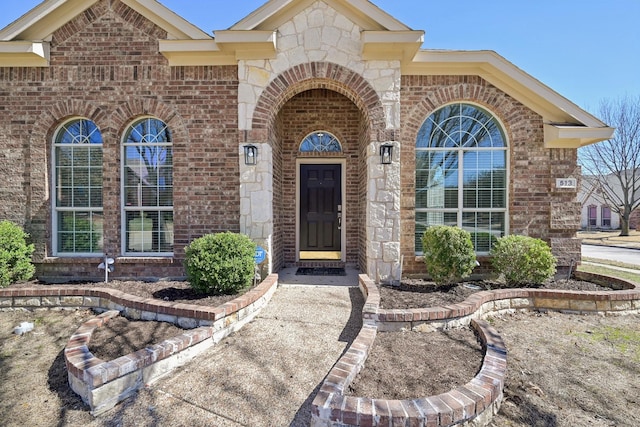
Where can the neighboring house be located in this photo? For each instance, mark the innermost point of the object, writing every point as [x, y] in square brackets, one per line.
[634, 220]
[597, 203]
[318, 128]
[596, 211]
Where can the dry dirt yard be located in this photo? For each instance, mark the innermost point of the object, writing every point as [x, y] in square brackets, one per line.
[563, 370]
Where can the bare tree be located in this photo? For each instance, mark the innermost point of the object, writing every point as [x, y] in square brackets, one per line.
[612, 167]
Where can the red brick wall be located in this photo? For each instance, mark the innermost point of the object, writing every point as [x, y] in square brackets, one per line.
[533, 168]
[105, 66]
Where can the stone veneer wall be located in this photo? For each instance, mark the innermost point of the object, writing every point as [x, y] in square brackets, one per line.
[256, 199]
[322, 49]
[535, 207]
[105, 66]
[318, 34]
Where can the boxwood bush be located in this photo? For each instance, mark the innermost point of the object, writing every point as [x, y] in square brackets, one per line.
[15, 254]
[220, 263]
[448, 253]
[523, 260]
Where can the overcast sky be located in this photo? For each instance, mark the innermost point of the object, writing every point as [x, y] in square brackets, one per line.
[586, 50]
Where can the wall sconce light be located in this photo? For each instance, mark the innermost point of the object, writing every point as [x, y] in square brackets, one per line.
[386, 154]
[250, 155]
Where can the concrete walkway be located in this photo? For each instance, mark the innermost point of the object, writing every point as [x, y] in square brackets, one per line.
[268, 373]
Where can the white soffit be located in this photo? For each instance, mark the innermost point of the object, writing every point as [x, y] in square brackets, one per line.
[572, 136]
[248, 44]
[24, 54]
[386, 45]
[195, 53]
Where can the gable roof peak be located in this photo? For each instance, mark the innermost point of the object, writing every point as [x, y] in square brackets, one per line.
[43, 20]
[362, 12]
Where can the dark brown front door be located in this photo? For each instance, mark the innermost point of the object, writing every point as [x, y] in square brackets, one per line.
[320, 207]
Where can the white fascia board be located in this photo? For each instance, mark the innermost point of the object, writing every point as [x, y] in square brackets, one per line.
[195, 53]
[570, 136]
[176, 26]
[362, 12]
[41, 21]
[378, 15]
[399, 45]
[248, 45]
[506, 76]
[239, 37]
[24, 54]
[260, 15]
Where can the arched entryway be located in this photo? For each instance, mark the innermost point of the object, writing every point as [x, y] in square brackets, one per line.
[315, 98]
[320, 211]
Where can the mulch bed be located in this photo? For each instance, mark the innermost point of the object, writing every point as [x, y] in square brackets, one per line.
[165, 290]
[420, 293]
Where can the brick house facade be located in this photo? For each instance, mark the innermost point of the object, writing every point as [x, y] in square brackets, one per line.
[285, 75]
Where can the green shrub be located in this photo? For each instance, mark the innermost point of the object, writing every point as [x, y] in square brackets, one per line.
[220, 263]
[15, 254]
[448, 253]
[523, 260]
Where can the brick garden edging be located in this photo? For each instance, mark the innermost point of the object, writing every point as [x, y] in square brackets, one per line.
[102, 384]
[474, 403]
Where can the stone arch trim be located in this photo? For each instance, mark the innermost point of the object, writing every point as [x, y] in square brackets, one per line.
[315, 75]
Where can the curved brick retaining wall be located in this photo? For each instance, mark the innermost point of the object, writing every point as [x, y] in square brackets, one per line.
[474, 403]
[102, 384]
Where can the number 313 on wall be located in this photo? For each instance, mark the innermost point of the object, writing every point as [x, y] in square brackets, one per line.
[566, 183]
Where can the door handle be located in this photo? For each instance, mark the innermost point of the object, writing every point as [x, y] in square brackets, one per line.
[339, 220]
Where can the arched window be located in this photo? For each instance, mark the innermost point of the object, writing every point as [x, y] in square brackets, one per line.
[320, 142]
[461, 174]
[147, 165]
[77, 218]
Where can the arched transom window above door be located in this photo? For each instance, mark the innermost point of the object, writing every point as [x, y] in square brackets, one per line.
[461, 174]
[320, 142]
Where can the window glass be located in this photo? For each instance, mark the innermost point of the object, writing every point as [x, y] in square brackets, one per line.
[77, 159]
[461, 174]
[320, 142]
[148, 188]
[593, 215]
[606, 216]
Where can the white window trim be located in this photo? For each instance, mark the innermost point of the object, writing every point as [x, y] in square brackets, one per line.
[124, 209]
[460, 151]
[55, 210]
